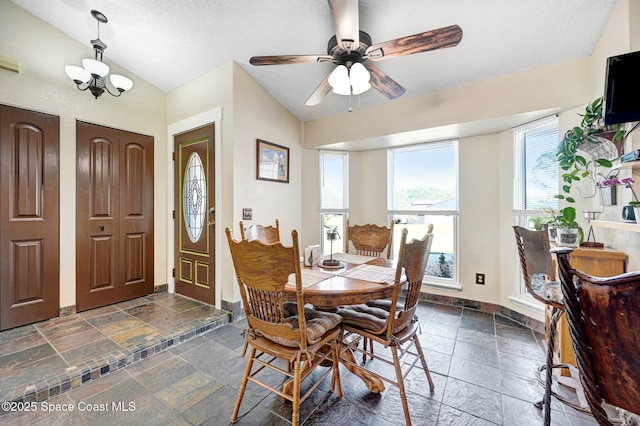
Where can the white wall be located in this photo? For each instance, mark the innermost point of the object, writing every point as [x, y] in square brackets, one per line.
[42, 85]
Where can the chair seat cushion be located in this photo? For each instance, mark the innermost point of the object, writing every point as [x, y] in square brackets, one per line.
[318, 324]
[548, 290]
[384, 304]
[365, 317]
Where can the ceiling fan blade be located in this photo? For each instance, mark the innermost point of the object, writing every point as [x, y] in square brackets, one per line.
[430, 40]
[383, 83]
[321, 91]
[347, 23]
[289, 59]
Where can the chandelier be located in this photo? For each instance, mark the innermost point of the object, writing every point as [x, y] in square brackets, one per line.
[92, 75]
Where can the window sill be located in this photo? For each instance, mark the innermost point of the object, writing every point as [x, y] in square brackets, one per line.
[527, 303]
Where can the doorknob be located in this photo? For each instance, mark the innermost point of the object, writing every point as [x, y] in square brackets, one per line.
[212, 210]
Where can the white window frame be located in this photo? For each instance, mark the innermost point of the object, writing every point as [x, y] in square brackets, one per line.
[337, 211]
[520, 214]
[430, 281]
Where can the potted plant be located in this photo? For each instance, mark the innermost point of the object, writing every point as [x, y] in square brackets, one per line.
[332, 235]
[553, 222]
[588, 138]
[537, 222]
[569, 232]
[611, 182]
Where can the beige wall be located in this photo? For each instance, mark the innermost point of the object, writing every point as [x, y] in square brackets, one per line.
[551, 87]
[248, 113]
[42, 85]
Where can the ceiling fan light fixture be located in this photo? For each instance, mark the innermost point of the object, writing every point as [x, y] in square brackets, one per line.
[359, 78]
[339, 78]
[360, 88]
[346, 81]
[92, 75]
[358, 74]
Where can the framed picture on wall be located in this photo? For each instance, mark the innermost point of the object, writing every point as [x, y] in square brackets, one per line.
[272, 162]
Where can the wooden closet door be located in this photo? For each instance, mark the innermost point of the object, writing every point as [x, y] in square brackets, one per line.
[29, 217]
[114, 215]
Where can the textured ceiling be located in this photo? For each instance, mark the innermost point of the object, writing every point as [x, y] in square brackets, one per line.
[169, 43]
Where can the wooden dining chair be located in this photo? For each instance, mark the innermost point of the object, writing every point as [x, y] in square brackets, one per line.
[395, 329]
[539, 274]
[604, 324]
[385, 304]
[267, 234]
[284, 337]
[369, 239]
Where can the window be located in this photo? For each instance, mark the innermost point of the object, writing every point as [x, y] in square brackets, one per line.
[536, 176]
[423, 190]
[334, 199]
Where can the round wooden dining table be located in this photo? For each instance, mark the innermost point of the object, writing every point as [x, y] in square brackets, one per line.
[331, 293]
[335, 291]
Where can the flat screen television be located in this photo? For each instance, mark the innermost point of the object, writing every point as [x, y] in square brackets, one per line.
[622, 91]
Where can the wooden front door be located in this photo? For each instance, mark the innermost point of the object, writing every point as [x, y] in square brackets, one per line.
[194, 214]
[29, 217]
[114, 215]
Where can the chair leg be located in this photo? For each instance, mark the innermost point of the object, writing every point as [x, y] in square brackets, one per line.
[546, 399]
[246, 342]
[424, 361]
[295, 416]
[336, 348]
[243, 386]
[403, 393]
[364, 346]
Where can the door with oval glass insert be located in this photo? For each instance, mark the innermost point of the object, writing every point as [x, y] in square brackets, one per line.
[194, 214]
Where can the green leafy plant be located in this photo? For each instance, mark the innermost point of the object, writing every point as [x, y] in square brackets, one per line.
[537, 222]
[567, 219]
[575, 166]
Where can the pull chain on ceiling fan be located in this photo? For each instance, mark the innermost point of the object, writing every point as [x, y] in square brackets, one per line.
[352, 51]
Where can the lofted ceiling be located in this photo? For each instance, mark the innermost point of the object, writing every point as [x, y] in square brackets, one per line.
[169, 43]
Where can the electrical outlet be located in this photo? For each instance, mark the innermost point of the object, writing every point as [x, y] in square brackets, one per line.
[479, 278]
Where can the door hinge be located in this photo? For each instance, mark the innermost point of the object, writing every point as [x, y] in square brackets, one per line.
[173, 156]
[173, 214]
[173, 273]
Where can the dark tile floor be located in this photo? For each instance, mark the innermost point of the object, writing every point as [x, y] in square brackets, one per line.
[482, 365]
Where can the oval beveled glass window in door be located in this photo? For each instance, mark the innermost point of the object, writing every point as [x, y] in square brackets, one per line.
[194, 197]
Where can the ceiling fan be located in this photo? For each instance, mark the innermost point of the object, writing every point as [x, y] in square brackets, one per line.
[352, 51]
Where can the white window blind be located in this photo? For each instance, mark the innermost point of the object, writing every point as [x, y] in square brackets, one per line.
[536, 174]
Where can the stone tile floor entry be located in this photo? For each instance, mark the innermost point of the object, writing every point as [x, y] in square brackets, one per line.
[169, 360]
